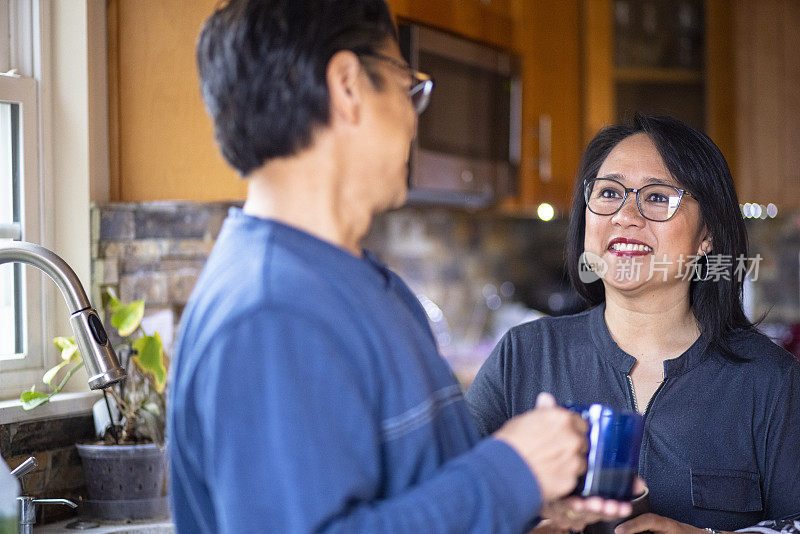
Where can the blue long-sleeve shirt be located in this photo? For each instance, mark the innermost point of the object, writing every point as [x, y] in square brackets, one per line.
[307, 395]
[721, 445]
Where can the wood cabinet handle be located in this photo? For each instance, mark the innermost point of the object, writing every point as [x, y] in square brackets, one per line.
[545, 148]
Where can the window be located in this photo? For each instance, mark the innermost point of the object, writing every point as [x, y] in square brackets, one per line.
[19, 182]
[11, 286]
[23, 351]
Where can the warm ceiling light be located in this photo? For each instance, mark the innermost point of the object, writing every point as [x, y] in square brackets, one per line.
[546, 212]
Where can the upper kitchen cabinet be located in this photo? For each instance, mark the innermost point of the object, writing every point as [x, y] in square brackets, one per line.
[644, 55]
[547, 38]
[488, 21]
[661, 57]
[729, 68]
[161, 140]
[767, 111]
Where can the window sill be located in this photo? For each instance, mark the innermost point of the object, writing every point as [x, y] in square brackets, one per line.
[61, 404]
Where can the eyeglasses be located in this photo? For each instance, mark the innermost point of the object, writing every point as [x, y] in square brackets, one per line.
[421, 83]
[656, 202]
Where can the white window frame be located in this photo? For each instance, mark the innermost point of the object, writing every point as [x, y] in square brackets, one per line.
[61, 44]
[20, 49]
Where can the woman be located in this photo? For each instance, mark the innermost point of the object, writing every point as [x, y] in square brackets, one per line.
[665, 335]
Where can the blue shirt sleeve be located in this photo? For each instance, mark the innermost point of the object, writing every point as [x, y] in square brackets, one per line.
[293, 444]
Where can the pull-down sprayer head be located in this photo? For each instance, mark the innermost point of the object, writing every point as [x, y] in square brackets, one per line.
[98, 356]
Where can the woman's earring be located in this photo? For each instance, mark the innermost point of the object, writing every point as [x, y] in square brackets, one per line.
[586, 265]
[698, 268]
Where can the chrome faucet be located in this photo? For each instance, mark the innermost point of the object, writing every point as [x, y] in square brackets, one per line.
[99, 357]
[27, 504]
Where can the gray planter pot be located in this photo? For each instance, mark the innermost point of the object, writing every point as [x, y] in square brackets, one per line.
[124, 481]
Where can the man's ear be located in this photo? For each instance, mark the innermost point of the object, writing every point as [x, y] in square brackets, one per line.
[344, 88]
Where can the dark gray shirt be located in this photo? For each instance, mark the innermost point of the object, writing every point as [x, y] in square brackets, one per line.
[721, 444]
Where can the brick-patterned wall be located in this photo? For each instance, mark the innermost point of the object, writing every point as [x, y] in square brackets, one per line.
[777, 290]
[52, 442]
[153, 251]
[156, 250]
[775, 296]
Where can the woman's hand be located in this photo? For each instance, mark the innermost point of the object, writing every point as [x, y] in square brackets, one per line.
[546, 526]
[656, 524]
[574, 513]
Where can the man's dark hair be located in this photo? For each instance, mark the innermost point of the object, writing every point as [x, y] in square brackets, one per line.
[262, 67]
[699, 167]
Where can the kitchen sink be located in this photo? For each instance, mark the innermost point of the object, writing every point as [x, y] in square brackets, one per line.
[152, 527]
[144, 529]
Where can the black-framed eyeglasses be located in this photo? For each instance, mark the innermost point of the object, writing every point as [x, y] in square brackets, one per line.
[656, 202]
[421, 83]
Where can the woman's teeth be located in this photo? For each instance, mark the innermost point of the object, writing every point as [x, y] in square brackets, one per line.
[630, 247]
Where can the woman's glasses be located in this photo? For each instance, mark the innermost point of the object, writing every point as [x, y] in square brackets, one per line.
[656, 202]
[421, 83]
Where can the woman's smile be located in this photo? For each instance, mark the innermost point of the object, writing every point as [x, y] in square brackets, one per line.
[623, 246]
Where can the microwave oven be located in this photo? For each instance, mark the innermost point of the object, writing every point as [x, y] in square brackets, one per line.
[467, 149]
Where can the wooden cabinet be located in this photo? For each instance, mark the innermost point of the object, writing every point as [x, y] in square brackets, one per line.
[744, 94]
[161, 139]
[767, 110]
[547, 38]
[489, 21]
[743, 91]
[661, 57]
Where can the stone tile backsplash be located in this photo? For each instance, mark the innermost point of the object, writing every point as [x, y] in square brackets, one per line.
[474, 266]
[153, 251]
[52, 442]
[776, 293]
[457, 259]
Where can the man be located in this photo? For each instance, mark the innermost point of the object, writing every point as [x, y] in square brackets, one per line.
[307, 392]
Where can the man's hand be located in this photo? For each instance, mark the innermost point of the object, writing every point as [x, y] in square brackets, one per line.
[656, 524]
[552, 441]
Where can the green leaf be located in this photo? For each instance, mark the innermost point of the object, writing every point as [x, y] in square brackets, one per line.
[31, 399]
[63, 342]
[52, 372]
[110, 300]
[151, 360]
[68, 348]
[126, 319]
[69, 354]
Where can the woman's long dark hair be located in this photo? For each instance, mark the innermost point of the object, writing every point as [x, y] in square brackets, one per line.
[699, 167]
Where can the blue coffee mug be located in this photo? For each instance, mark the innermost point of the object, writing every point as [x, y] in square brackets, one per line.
[615, 437]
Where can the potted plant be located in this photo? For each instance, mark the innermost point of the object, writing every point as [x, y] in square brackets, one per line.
[125, 469]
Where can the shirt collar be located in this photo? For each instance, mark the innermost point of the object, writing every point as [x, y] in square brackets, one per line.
[366, 269]
[624, 362]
